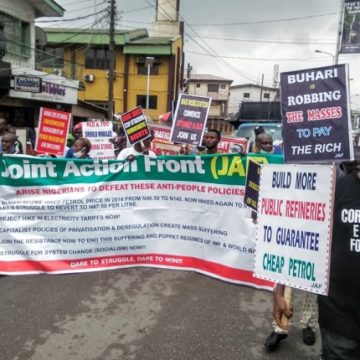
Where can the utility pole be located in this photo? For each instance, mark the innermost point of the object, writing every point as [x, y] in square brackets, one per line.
[149, 61]
[111, 61]
[261, 87]
[188, 76]
[339, 34]
[261, 95]
[276, 76]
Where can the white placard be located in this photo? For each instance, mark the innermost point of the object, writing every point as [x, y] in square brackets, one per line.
[294, 225]
[99, 133]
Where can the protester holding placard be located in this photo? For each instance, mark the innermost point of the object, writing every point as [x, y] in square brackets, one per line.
[139, 149]
[119, 140]
[211, 141]
[308, 320]
[210, 144]
[76, 133]
[77, 130]
[339, 312]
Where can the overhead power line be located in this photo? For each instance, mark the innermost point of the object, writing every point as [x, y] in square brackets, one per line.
[257, 59]
[84, 30]
[135, 10]
[86, 8]
[267, 21]
[268, 41]
[208, 49]
[71, 2]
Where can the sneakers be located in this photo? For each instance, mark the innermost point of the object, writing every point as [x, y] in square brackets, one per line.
[309, 336]
[273, 341]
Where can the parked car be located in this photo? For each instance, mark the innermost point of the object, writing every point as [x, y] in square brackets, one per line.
[247, 130]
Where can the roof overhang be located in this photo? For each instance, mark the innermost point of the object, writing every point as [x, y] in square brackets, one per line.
[148, 49]
[90, 36]
[47, 8]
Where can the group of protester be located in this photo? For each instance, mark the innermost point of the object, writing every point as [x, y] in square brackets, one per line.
[9, 143]
[339, 314]
[79, 146]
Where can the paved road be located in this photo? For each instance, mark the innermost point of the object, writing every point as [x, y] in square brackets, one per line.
[139, 314]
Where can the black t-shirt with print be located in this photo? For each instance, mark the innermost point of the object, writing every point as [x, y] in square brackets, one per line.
[339, 312]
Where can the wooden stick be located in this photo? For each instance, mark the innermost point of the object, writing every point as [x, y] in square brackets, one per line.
[288, 299]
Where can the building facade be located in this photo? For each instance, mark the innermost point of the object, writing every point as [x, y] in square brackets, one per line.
[250, 92]
[147, 70]
[217, 89]
[28, 89]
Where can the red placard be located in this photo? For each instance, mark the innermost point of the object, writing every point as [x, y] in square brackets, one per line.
[135, 125]
[229, 145]
[53, 130]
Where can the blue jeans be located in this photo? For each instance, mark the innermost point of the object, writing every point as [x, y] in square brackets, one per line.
[337, 347]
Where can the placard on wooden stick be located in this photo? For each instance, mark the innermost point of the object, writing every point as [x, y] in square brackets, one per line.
[294, 225]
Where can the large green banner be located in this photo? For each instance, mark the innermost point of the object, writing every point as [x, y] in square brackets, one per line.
[179, 212]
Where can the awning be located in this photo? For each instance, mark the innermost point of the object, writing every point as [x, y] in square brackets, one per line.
[165, 117]
[85, 109]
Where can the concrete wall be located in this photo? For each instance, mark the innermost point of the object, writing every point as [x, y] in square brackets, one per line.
[237, 96]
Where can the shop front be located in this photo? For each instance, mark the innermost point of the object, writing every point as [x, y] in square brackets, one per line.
[30, 90]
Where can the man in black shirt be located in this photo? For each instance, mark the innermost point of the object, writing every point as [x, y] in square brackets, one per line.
[339, 312]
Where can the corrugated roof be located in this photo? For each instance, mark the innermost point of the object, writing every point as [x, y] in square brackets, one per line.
[152, 41]
[148, 49]
[150, 46]
[90, 36]
[208, 77]
[134, 41]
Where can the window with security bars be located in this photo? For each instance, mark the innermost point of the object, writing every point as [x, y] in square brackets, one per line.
[17, 36]
[51, 57]
[97, 58]
[142, 69]
[213, 87]
[141, 101]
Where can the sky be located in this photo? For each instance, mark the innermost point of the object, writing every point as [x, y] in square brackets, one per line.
[240, 40]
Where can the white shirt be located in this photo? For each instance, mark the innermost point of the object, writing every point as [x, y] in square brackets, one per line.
[124, 153]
